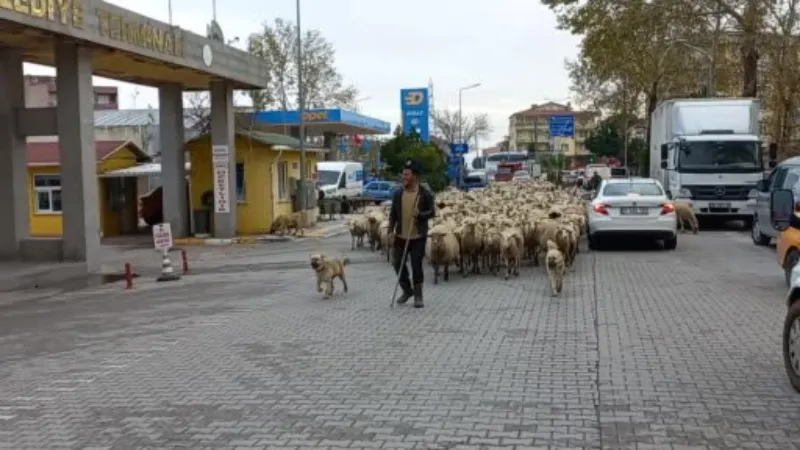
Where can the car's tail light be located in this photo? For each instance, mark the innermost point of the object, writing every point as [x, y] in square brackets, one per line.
[667, 208]
[600, 208]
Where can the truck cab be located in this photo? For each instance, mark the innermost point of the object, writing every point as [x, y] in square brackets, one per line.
[506, 170]
[707, 152]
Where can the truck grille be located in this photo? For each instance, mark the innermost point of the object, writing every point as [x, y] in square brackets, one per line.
[729, 192]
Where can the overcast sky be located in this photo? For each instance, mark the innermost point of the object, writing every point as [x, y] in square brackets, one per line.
[511, 47]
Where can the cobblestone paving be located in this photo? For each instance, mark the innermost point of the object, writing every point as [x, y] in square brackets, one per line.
[661, 350]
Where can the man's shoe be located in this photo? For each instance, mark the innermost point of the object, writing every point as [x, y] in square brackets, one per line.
[418, 296]
[404, 298]
[406, 295]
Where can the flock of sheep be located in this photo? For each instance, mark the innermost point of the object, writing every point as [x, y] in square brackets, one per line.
[492, 229]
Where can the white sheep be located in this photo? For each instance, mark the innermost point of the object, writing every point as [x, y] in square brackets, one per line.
[442, 250]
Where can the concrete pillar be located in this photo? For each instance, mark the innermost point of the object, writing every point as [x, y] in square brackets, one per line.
[222, 134]
[75, 113]
[15, 226]
[173, 164]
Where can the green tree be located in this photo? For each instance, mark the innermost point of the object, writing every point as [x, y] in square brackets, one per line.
[552, 165]
[402, 147]
[638, 155]
[605, 140]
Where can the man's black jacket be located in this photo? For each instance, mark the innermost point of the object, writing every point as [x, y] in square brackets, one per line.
[425, 206]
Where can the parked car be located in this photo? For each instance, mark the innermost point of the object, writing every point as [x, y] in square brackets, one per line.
[783, 216]
[785, 176]
[632, 207]
[380, 190]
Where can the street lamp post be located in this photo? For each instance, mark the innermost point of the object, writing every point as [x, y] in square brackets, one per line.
[301, 125]
[358, 102]
[461, 128]
[460, 118]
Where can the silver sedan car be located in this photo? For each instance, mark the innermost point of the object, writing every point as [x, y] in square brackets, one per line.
[632, 207]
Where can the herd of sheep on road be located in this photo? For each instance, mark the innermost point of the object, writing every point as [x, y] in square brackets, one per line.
[494, 228]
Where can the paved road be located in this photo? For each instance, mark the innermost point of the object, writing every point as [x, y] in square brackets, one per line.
[646, 350]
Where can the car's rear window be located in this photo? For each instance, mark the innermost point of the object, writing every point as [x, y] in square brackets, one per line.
[622, 189]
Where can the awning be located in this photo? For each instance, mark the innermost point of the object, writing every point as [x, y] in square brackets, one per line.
[141, 170]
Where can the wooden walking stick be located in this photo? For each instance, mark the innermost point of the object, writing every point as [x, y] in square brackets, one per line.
[407, 230]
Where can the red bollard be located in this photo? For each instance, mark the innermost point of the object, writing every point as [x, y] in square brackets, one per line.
[128, 276]
[185, 261]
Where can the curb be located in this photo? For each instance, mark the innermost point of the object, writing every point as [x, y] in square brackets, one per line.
[322, 234]
[244, 240]
[232, 241]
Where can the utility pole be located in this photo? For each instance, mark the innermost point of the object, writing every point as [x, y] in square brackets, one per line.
[301, 125]
[625, 122]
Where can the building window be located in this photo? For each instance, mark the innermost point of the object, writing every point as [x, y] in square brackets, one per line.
[102, 99]
[283, 180]
[240, 185]
[48, 193]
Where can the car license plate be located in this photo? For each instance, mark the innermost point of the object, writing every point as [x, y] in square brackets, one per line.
[633, 211]
[720, 205]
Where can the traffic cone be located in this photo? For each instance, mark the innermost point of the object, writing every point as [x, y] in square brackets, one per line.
[167, 271]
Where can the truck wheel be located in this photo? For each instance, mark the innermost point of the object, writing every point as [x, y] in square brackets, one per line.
[788, 264]
[791, 345]
[671, 243]
[758, 237]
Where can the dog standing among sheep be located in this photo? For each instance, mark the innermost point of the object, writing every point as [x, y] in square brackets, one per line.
[556, 268]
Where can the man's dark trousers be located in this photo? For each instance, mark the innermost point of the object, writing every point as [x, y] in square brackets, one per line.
[416, 253]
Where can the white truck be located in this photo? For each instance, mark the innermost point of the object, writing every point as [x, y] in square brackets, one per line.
[707, 151]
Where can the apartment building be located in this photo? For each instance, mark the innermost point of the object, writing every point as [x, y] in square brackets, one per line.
[41, 92]
[530, 129]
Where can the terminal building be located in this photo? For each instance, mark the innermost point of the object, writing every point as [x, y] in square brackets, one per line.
[72, 176]
[81, 38]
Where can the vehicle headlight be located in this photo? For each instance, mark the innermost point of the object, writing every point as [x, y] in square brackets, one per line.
[752, 194]
[684, 193]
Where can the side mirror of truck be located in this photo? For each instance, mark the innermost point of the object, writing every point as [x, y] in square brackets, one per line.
[664, 151]
[663, 164]
[761, 186]
[781, 208]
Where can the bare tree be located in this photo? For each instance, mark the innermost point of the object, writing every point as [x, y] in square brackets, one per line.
[446, 124]
[322, 82]
[146, 131]
[197, 111]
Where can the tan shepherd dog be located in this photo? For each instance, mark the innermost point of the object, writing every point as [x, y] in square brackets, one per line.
[556, 267]
[327, 269]
[286, 223]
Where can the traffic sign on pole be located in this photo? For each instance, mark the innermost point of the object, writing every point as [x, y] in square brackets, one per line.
[459, 149]
[562, 125]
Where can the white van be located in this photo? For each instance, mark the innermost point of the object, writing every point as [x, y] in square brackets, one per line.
[340, 178]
